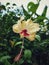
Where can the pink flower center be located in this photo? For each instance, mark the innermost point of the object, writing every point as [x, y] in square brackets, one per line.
[24, 32]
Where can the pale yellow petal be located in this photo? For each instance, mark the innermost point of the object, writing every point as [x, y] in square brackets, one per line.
[23, 24]
[21, 18]
[19, 24]
[32, 27]
[28, 22]
[31, 37]
[16, 28]
[36, 27]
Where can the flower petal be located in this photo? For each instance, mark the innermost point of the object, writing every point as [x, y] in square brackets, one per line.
[23, 24]
[16, 28]
[31, 37]
[32, 27]
[28, 22]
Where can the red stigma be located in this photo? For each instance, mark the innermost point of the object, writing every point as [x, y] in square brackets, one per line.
[24, 32]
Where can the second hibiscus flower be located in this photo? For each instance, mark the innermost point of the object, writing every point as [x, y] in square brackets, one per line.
[26, 29]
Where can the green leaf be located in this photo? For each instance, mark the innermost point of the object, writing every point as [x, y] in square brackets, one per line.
[6, 62]
[32, 7]
[29, 61]
[27, 54]
[21, 61]
[1, 44]
[38, 37]
[44, 11]
[18, 43]
[4, 58]
[26, 13]
[38, 1]
[40, 18]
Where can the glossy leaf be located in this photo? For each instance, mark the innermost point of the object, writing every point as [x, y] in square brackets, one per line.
[44, 11]
[27, 54]
[38, 37]
[4, 58]
[32, 7]
[6, 62]
[18, 43]
[26, 14]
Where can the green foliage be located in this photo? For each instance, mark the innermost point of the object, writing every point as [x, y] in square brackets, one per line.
[4, 58]
[10, 42]
[6, 62]
[27, 54]
[44, 12]
[2, 7]
[27, 15]
[32, 7]
[43, 16]
[18, 43]
[38, 37]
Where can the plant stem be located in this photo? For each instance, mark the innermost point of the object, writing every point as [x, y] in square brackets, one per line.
[17, 58]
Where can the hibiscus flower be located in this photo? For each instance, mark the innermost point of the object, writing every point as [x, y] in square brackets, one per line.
[27, 29]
